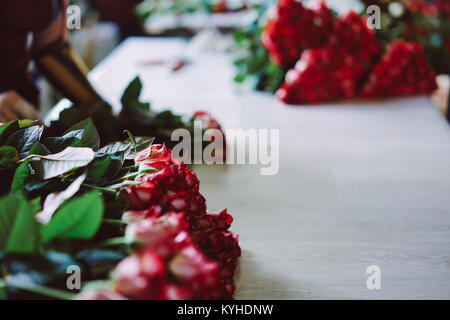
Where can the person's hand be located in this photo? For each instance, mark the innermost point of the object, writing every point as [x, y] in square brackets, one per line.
[13, 106]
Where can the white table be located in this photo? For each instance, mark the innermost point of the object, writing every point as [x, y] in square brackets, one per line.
[359, 184]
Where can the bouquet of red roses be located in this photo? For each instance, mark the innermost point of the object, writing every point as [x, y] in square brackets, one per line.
[328, 57]
[127, 215]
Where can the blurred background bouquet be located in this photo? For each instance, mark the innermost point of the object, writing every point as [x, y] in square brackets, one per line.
[281, 33]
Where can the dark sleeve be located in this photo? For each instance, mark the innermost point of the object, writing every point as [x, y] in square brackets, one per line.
[448, 106]
[28, 15]
[120, 11]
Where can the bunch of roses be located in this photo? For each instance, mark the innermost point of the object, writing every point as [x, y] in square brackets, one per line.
[428, 7]
[337, 66]
[166, 266]
[293, 28]
[402, 70]
[336, 69]
[172, 188]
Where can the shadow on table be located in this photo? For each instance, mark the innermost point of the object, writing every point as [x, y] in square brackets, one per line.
[254, 283]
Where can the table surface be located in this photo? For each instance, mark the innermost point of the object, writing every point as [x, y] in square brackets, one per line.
[359, 184]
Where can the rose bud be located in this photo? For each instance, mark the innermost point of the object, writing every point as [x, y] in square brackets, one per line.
[159, 234]
[156, 165]
[176, 292]
[191, 266]
[141, 196]
[153, 152]
[221, 220]
[141, 275]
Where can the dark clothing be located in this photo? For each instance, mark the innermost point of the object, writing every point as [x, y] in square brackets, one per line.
[121, 12]
[17, 19]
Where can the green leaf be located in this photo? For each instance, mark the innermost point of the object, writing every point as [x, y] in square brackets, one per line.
[138, 106]
[115, 166]
[34, 186]
[53, 165]
[127, 147]
[41, 290]
[35, 271]
[90, 137]
[3, 292]
[130, 98]
[98, 262]
[21, 174]
[56, 199]
[240, 77]
[26, 123]
[8, 155]
[24, 139]
[132, 92]
[99, 166]
[124, 147]
[39, 149]
[7, 129]
[79, 218]
[81, 134]
[252, 61]
[71, 139]
[18, 228]
[35, 205]
[105, 166]
[67, 118]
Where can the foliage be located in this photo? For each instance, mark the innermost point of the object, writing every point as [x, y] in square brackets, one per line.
[153, 7]
[56, 206]
[429, 27]
[252, 60]
[136, 116]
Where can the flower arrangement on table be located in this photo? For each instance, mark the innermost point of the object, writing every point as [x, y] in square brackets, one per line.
[422, 21]
[127, 215]
[151, 7]
[311, 55]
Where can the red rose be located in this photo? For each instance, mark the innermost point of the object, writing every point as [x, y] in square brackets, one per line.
[190, 266]
[211, 123]
[173, 291]
[168, 214]
[293, 28]
[403, 70]
[164, 235]
[334, 70]
[183, 274]
[141, 196]
[153, 152]
[140, 276]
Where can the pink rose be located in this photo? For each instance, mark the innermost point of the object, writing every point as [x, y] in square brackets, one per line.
[140, 276]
